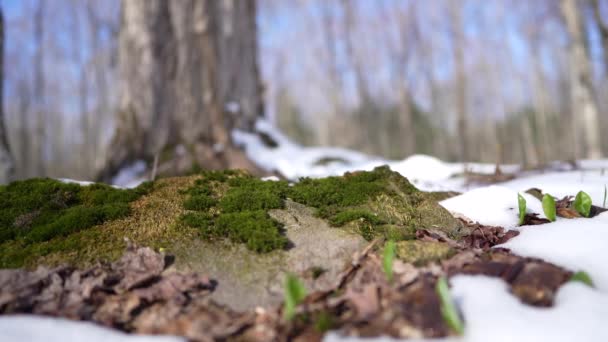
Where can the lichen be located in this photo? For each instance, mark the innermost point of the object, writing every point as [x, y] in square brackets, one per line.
[420, 252]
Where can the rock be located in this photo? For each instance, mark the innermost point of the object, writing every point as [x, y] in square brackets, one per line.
[247, 279]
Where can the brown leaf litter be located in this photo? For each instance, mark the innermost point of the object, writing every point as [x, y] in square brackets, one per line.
[138, 294]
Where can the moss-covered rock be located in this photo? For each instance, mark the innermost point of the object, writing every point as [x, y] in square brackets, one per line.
[376, 203]
[380, 202]
[420, 252]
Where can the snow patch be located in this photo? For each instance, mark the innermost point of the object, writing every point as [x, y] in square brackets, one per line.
[492, 206]
[576, 244]
[20, 328]
[492, 313]
[131, 176]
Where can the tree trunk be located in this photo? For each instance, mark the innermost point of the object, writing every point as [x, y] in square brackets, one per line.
[7, 167]
[583, 101]
[39, 92]
[190, 75]
[602, 26]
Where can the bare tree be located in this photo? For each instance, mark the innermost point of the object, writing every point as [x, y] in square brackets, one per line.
[7, 168]
[190, 76]
[602, 26]
[39, 95]
[458, 46]
[583, 101]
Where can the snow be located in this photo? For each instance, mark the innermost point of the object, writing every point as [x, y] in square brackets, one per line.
[131, 176]
[73, 181]
[577, 244]
[20, 328]
[493, 206]
[560, 184]
[294, 161]
[492, 313]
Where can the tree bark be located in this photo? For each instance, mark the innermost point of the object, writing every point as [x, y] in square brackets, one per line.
[189, 76]
[7, 167]
[583, 101]
[602, 26]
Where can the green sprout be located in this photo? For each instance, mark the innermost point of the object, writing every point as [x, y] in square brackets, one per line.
[582, 203]
[549, 207]
[605, 193]
[521, 201]
[388, 258]
[583, 277]
[295, 292]
[448, 309]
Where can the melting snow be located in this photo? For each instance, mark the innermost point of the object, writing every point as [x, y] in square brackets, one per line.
[493, 314]
[20, 328]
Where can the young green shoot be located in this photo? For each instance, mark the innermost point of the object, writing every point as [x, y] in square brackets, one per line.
[521, 201]
[388, 258]
[549, 207]
[295, 292]
[583, 277]
[582, 203]
[605, 195]
[448, 309]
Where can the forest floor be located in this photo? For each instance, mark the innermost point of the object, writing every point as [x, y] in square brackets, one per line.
[509, 277]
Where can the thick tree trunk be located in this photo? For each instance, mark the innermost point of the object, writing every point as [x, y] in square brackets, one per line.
[190, 76]
[7, 167]
[583, 102]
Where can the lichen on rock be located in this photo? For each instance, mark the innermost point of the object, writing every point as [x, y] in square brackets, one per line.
[420, 252]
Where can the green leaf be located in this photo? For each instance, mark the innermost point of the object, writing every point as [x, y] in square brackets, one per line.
[549, 207]
[448, 310]
[388, 258]
[583, 277]
[582, 203]
[295, 292]
[521, 201]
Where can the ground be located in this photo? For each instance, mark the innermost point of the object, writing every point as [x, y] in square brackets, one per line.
[222, 243]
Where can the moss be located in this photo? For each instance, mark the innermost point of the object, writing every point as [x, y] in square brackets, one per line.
[36, 211]
[255, 229]
[346, 216]
[247, 193]
[422, 252]
[240, 211]
[351, 189]
[199, 202]
[376, 203]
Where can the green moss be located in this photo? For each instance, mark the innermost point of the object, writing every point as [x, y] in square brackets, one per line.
[351, 189]
[346, 216]
[199, 202]
[254, 228]
[240, 214]
[247, 193]
[37, 210]
[376, 203]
